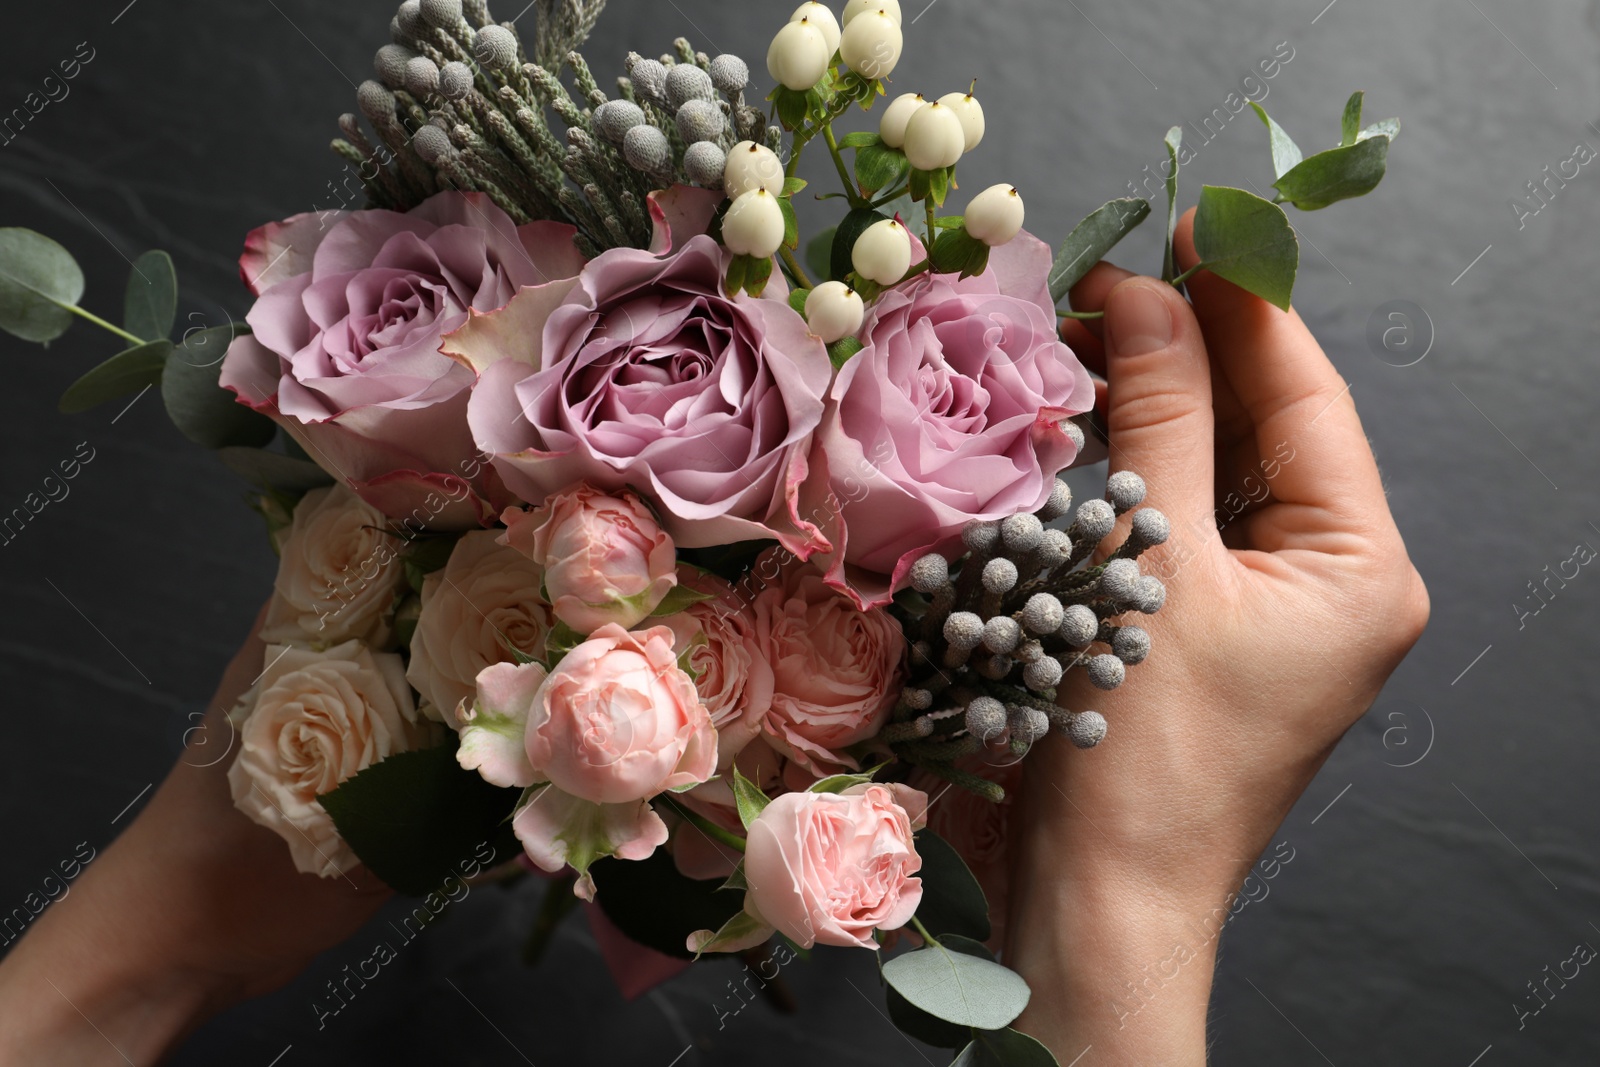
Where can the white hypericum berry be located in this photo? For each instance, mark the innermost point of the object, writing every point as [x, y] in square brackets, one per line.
[821, 16]
[422, 77]
[455, 80]
[496, 48]
[686, 82]
[442, 13]
[646, 148]
[754, 225]
[752, 166]
[871, 44]
[834, 311]
[704, 162]
[863, 7]
[892, 127]
[883, 252]
[700, 120]
[614, 118]
[934, 138]
[649, 78]
[799, 56]
[995, 215]
[729, 73]
[970, 112]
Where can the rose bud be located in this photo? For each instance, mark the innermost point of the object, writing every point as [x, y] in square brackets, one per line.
[892, 128]
[820, 16]
[935, 137]
[970, 112]
[830, 868]
[871, 44]
[864, 7]
[754, 225]
[799, 55]
[604, 557]
[752, 166]
[995, 215]
[834, 310]
[883, 252]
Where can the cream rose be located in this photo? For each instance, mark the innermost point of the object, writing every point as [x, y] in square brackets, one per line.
[481, 605]
[337, 576]
[319, 718]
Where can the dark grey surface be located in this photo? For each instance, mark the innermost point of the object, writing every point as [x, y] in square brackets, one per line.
[1420, 899]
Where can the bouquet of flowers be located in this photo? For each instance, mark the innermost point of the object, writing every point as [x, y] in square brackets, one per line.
[630, 536]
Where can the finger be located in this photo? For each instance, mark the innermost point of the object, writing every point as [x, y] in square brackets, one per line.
[1085, 345]
[1296, 399]
[1091, 291]
[1159, 406]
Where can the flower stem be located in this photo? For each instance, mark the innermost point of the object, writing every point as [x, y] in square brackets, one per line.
[794, 268]
[705, 825]
[888, 197]
[838, 163]
[1081, 314]
[923, 930]
[933, 213]
[1186, 275]
[102, 323]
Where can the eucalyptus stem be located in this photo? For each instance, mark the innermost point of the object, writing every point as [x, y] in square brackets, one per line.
[1186, 275]
[102, 323]
[923, 930]
[794, 268]
[706, 826]
[1081, 314]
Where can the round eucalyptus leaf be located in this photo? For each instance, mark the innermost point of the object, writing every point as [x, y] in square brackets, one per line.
[126, 372]
[958, 988]
[201, 409]
[37, 276]
[1004, 1048]
[150, 303]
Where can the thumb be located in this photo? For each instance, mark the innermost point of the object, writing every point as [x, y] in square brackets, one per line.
[1159, 415]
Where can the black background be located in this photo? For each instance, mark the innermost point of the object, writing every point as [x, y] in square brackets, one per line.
[1457, 858]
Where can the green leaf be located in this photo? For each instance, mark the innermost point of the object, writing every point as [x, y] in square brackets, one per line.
[561, 640]
[424, 556]
[736, 880]
[738, 271]
[1092, 238]
[1286, 155]
[1248, 241]
[929, 1029]
[939, 183]
[1004, 1048]
[37, 276]
[151, 301]
[737, 933]
[860, 139]
[791, 106]
[1389, 128]
[758, 274]
[880, 167]
[680, 598]
[838, 783]
[201, 409]
[791, 223]
[1351, 123]
[271, 470]
[841, 350]
[797, 300]
[749, 798]
[1169, 263]
[418, 818]
[792, 186]
[1334, 175]
[126, 372]
[958, 252]
[656, 906]
[951, 984]
[851, 227]
[819, 253]
[952, 900]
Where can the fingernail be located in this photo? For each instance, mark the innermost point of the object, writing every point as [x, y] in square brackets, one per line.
[1138, 321]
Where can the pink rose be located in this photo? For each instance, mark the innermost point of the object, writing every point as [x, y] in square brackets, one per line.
[952, 412]
[344, 352]
[604, 557]
[836, 668]
[976, 828]
[646, 376]
[830, 868]
[732, 675]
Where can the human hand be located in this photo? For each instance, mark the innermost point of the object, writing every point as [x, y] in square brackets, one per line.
[1278, 632]
[192, 909]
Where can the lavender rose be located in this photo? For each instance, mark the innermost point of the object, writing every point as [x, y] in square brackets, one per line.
[344, 352]
[952, 412]
[646, 376]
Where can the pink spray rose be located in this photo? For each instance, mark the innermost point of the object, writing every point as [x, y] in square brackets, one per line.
[604, 557]
[615, 723]
[732, 675]
[830, 868]
[952, 412]
[836, 669]
[646, 376]
[344, 350]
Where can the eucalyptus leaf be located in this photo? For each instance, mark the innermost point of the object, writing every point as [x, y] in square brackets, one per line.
[1092, 238]
[929, 1029]
[201, 409]
[126, 372]
[270, 470]
[150, 303]
[1337, 174]
[749, 798]
[1286, 155]
[1350, 125]
[959, 988]
[419, 818]
[952, 900]
[37, 277]
[1389, 128]
[1169, 262]
[819, 255]
[1004, 1048]
[1247, 240]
